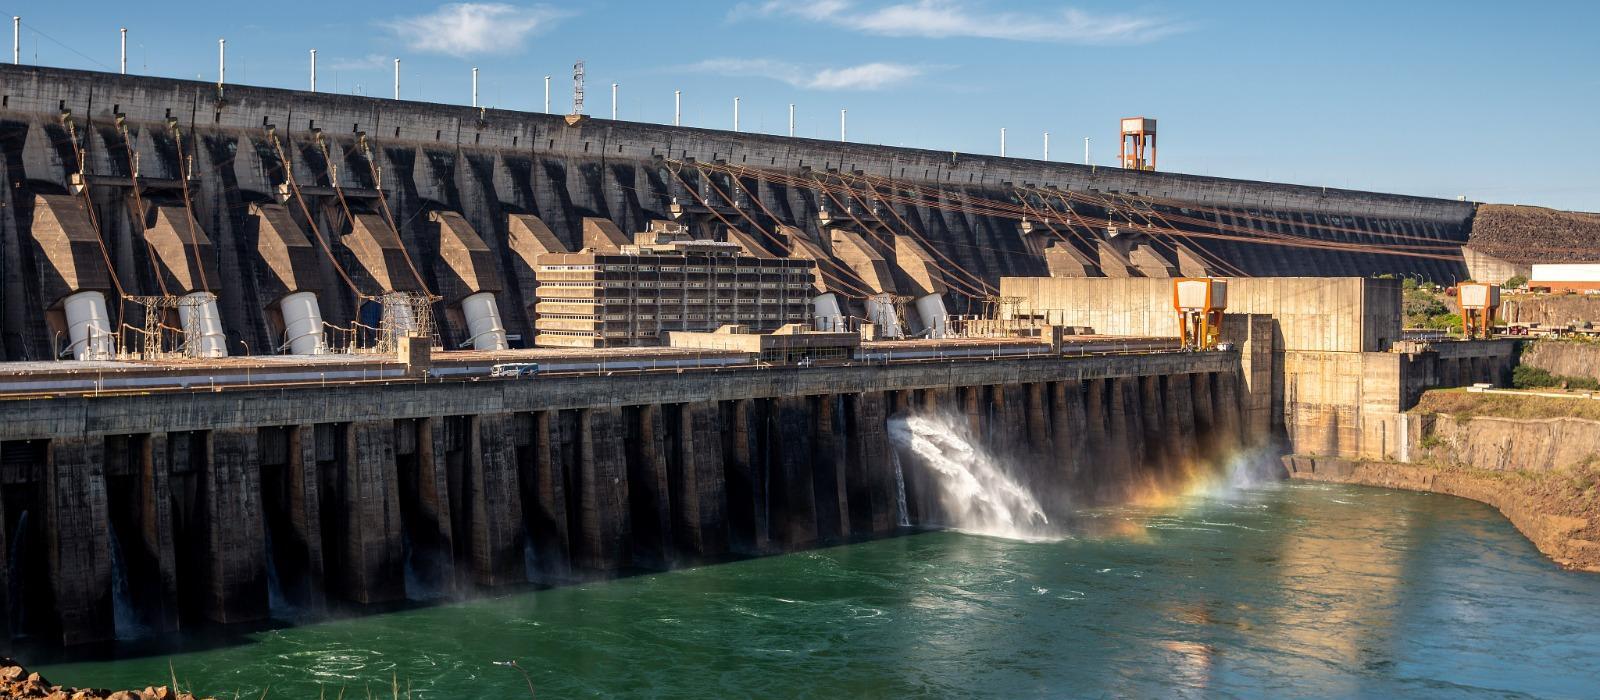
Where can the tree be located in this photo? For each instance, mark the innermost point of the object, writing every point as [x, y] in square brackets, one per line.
[1421, 306]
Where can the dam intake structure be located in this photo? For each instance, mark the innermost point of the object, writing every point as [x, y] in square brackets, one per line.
[238, 505]
[236, 220]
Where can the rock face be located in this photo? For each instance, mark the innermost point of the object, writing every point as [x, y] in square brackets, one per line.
[1552, 310]
[1514, 444]
[1535, 234]
[1507, 433]
[16, 682]
[1565, 358]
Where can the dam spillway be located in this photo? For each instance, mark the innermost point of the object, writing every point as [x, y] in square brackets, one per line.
[218, 502]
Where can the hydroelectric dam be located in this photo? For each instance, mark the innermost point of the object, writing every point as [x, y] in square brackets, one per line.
[269, 347]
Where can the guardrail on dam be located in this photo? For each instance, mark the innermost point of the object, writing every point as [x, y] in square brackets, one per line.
[189, 508]
[153, 150]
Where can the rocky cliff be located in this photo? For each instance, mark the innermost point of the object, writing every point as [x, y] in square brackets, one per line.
[1565, 358]
[1535, 234]
[1555, 310]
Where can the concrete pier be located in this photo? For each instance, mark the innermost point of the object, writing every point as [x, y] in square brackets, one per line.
[199, 511]
[362, 499]
[77, 538]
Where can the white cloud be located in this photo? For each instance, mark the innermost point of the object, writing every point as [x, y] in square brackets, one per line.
[940, 19]
[867, 76]
[468, 28]
[367, 62]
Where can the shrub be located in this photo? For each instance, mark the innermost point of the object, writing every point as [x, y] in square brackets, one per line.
[1530, 377]
[1516, 282]
[1420, 306]
[1444, 322]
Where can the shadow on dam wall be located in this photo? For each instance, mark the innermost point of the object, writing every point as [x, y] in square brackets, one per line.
[488, 165]
[216, 531]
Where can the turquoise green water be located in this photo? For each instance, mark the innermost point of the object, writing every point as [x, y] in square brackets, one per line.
[1291, 589]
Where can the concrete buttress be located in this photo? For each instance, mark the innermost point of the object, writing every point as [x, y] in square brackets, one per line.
[545, 495]
[605, 528]
[1205, 421]
[495, 504]
[235, 571]
[1070, 422]
[828, 464]
[1009, 422]
[1041, 446]
[430, 508]
[795, 509]
[77, 538]
[1230, 423]
[370, 551]
[699, 488]
[869, 472]
[1120, 454]
[305, 512]
[1158, 436]
[1180, 421]
[1097, 446]
[155, 533]
[749, 459]
[649, 493]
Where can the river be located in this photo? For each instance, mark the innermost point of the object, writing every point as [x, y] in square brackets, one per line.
[1282, 589]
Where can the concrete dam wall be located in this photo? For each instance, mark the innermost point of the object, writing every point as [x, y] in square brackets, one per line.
[473, 193]
[199, 508]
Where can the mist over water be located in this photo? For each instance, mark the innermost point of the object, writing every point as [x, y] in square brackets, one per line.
[1002, 495]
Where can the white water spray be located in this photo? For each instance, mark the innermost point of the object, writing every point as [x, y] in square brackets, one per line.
[277, 603]
[900, 489]
[125, 619]
[530, 558]
[419, 586]
[976, 492]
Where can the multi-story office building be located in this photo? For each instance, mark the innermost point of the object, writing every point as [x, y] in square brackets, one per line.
[633, 294]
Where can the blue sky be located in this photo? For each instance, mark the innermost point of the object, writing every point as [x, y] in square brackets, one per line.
[1497, 101]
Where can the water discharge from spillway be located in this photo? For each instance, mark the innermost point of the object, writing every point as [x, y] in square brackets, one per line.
[902, 512]
[982, 489]
[976, 492]
[125, 617]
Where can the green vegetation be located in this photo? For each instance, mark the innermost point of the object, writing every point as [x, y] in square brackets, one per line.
[1516, 282]
[1465, 404]
[1530, 377]
[1424, 308]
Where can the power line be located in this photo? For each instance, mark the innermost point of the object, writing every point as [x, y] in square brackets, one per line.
[63, 45]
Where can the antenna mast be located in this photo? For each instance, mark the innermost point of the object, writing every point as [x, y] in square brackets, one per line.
[577, 87]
